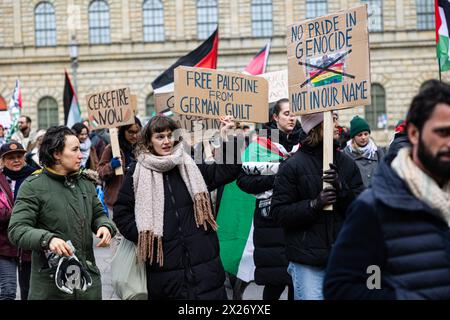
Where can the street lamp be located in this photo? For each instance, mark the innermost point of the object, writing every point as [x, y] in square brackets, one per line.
[74, 58]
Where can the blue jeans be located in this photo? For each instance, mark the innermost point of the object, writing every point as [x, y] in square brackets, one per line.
[8, 278]
[307, 280]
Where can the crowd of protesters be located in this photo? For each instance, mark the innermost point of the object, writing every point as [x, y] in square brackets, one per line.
[373, 224]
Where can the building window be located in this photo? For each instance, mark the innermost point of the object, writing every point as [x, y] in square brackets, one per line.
[316, 8]
[376, 112]
[375, 13]
[262, 18]
[207, 18]
[153, 12]
[47, 113]
[425, 14]
[3, 106]
[99, 22]
[150, 110]
[45, 24]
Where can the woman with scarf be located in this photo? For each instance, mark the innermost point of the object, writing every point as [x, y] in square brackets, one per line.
[363, 149]
[14, 172]
[55, 215]
[260, 163]
[164, 207]
[90, 159]
[128, 137]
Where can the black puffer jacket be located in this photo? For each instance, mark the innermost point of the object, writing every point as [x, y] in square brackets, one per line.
[268, 238]
[192, 267]
[388, 227]
[310, 235]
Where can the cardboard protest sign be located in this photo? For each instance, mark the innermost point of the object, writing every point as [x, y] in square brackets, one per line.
[210, 94]
[110, 109]
[278, 85]
[133, 99]
[164, 102]
[328, 62]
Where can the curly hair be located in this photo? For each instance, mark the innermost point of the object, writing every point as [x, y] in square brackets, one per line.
[431, 93]
[54, 141]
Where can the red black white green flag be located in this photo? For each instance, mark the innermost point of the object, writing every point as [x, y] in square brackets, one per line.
[72, 113]
[259, 62]
[204, 56]
[442, 12]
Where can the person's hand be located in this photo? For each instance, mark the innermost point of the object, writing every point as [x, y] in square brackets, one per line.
[326, 197]
[60, 247]
[104, 234]
[332, 177]
[226, 123]
[116, 162]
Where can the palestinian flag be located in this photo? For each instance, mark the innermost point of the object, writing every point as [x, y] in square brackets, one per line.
[235, 232]
[204, 56]
[235, 217]
[15, 109]
[259, 62]
[442, 12]
[72, 113]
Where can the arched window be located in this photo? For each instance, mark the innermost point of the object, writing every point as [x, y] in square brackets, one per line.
[375, 12]
[376, 112]
[262, 18]
[425, 14]
[3, 105]
[153, 20]
[45, 24]
[99, 22]
[207, 18]
[316, 8]
[47, 113]
[150, 109]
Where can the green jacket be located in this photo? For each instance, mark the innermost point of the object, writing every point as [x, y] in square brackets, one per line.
[50, 205]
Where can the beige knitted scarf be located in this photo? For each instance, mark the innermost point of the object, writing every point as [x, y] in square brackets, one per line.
[421, 184]
[149, 198]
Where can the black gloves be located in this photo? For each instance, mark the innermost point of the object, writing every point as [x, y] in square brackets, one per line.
[326, 197]
[332, 177]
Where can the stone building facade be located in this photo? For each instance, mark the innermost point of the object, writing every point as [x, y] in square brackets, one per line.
[402, 50]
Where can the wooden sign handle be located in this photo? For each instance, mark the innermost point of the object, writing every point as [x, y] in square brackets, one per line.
[328, 131]
[115, 148]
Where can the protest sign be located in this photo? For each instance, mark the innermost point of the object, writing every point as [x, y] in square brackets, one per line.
[210, 93]
[133, 103]
[110, 109]
[328, 62]
[164, 103]
[278, 85]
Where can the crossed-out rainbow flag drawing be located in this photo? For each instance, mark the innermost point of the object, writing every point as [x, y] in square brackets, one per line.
[327, 77]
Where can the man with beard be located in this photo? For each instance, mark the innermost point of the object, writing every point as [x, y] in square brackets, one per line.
[395, 242]
[24, 135]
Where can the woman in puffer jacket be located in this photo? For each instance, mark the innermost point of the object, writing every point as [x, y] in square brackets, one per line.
[260, 164]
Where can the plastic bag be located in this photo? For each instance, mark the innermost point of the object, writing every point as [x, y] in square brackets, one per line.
[101, 197]
[129, 277]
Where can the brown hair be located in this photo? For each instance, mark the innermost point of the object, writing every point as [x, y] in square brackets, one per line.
[315, 136]
[158, 123]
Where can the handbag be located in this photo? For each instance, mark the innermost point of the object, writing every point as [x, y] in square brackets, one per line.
[128, 276]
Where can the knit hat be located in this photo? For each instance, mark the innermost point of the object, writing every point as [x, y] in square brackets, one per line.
[358, 125]
[309, 121]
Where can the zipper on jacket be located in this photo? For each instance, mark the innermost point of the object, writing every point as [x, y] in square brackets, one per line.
[186, 252]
